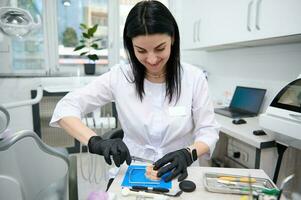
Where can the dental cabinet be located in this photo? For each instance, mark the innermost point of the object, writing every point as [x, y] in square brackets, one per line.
[212, 24]
[244, 149]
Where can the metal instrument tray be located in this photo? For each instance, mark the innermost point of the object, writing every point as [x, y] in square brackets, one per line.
[214, 183]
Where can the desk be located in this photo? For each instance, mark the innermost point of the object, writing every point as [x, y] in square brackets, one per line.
[195, 174]
[254, 151]
[244, 132]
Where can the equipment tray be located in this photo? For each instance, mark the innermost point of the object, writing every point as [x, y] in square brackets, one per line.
[236, 184]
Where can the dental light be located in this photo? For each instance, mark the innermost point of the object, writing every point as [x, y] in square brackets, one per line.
[17, 22]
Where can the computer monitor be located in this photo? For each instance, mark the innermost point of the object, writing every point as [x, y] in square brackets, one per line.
[247, 99]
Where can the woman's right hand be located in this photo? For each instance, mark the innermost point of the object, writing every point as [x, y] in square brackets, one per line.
[108, 147]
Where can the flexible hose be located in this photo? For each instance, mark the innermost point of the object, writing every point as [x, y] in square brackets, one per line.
[92, 174]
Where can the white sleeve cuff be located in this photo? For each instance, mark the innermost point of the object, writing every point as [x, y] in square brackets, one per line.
[210, 138]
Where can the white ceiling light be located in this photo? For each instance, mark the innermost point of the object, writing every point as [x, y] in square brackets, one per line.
[67, 3]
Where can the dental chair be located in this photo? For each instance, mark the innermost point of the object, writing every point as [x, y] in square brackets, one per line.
[32, 170]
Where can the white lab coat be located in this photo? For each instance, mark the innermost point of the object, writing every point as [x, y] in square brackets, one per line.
[152, 127]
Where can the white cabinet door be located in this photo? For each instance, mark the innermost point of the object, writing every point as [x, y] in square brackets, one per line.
[236, 22]
[207, 23]
[189, 15]
[276, 18]
[228, 21]
[187, 26]
[199, 36]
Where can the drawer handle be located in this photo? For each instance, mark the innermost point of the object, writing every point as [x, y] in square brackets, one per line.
[249, 16]
[258, 14]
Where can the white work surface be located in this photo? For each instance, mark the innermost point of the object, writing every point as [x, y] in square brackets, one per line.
[243, 132]
[195, 174]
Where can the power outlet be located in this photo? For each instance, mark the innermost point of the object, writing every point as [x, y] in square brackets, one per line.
[241, 153]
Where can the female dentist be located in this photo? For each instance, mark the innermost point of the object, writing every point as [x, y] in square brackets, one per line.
[163, 105]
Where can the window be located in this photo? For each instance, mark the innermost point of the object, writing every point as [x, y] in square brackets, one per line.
[49, 49]
[69, 33]
[24, 55]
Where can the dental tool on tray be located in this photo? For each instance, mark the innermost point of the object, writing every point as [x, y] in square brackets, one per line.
[236, 184]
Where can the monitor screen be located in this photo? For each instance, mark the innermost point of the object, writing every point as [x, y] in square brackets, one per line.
[289, 98]
[247, 99]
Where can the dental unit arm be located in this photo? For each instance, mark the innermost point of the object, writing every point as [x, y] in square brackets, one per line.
[4, 115]
[37, 99]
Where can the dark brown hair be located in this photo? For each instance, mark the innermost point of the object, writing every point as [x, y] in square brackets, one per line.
[146, 18]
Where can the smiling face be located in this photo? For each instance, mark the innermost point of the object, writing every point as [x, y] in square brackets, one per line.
[153, 51]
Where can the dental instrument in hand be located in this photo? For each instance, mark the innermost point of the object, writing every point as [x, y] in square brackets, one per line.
[134, 158]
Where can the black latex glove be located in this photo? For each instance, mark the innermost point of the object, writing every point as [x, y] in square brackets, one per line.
[176, 162]
[108, 147]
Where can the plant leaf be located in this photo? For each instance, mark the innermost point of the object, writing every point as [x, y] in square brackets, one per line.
[93, 57]
[92, 30]
[85, 35]
[82, 41]
[83, 53]
[96, 40]
[79, 47]
[83, 26]
[95, 46]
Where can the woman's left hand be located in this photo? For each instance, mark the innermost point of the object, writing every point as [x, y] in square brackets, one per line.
[176, 162]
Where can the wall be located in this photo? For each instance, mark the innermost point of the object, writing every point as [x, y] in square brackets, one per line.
[270, 67]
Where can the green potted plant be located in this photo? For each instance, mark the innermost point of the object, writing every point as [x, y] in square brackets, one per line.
[86, 45]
